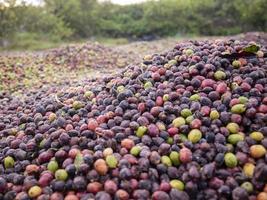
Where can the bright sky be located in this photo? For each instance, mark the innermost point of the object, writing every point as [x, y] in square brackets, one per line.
[121, 2]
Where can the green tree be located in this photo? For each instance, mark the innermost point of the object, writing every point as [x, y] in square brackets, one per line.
[8, 21]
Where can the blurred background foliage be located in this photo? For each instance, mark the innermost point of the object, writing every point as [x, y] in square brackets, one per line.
[23, 25]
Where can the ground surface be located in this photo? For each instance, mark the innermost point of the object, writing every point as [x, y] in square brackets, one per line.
[28, 71]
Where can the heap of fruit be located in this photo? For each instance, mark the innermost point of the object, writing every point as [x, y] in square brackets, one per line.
[91, 55]
[190, 123]
[58, 66]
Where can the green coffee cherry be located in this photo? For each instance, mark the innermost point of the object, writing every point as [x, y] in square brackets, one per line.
[243, 99]
[238, 108]
[52, 166]
[177, 184]
[235, 138]
[214, 114]
[166, 161]
[189, 119]
[236, 64]
[219, 75]
[42, 143]
[175, 158]
[230, 160]
[111, 161]
[9, 162]
[195, 97]
[179, 121]
[194, 135]
[135, 150]
[141, 131]
[257, 136]
[247, 186]
[120, 89]
[189, 52]
[169, 140]
[88, 94]
[172, 62]
[183, 137]
[61, 175]
[234, 85]
[186, 113]
[232, 127]
[148, 85]
[77, 105]
[248, 169]
[165, 97]
[34, 191]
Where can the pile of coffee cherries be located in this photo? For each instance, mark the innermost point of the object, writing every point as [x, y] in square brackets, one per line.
[190, 123]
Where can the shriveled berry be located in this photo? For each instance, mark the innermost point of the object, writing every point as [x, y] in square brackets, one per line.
[3, 185]
[71, 197]
[92, 124]
[122, 195]
[110, 186]
[153, 130]
[94, 187]
[239, 193]
[185, 155]
[160, 195]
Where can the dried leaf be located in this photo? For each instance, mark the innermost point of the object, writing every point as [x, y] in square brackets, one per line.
[253, 48]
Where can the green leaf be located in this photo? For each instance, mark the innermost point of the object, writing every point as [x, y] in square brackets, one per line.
[78, 160]
[253, 48]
